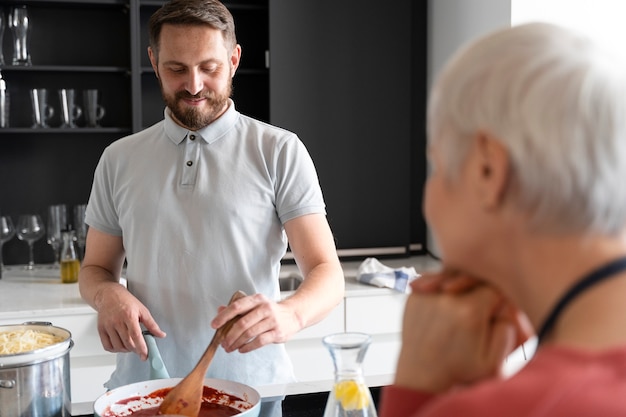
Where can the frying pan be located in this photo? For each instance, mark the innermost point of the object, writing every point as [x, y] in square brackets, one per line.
[117, 399]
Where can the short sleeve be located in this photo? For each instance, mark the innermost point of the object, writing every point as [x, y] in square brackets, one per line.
[298, 191]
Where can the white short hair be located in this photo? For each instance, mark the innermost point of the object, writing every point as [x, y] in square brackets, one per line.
[557, 101]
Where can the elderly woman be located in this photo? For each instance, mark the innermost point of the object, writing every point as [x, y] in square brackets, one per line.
[527, 200]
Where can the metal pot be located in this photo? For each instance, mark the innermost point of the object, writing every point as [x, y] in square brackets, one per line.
[118, 399]
[37, 383]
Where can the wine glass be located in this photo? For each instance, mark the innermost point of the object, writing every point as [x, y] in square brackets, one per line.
[30, 228]
[7, 231]
[57, 221]
[81, 227]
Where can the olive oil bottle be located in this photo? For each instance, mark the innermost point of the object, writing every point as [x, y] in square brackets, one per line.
[70, 264]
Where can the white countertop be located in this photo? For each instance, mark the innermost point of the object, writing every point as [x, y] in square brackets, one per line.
[26, 295]
[40, 292]
[36, 293]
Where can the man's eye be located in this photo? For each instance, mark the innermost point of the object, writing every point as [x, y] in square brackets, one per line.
[177, 70]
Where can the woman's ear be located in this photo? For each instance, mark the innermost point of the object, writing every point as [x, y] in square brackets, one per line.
[492, 169]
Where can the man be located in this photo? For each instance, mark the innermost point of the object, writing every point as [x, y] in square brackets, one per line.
[199, 205]
[527, 140]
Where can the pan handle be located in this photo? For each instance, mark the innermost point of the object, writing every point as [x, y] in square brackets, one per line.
[157, 367]
[7, 383]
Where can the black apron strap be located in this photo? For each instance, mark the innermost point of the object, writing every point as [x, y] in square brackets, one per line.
[596, 276]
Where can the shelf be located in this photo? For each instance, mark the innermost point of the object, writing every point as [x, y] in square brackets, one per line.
[81, 3]
[72, 130]
[231, 5]
[249, 71]
[63, 68]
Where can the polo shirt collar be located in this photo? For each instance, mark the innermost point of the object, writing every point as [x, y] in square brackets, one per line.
[209, 134]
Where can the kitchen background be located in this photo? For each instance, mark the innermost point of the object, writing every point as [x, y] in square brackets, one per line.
[348, 77]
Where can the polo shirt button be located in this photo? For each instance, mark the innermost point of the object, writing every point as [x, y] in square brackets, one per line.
[189, 163]
[192, 137]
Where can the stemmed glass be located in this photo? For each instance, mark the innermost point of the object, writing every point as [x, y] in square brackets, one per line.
[57, 221]
[30, 228]
[81, 227]
[3, 24]
[7, 231]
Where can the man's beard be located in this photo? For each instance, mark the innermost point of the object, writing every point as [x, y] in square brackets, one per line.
[195, 118]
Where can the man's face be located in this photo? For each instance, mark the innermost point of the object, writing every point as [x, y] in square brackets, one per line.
[195, 70]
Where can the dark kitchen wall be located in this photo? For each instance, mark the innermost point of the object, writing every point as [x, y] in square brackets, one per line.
[349, 77]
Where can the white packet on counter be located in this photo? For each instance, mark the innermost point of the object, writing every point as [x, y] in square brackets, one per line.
[372, 272]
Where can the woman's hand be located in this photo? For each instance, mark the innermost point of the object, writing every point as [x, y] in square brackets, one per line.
[455, 282]
[456, 330]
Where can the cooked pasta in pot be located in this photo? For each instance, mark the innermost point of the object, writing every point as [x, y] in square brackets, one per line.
[26, 340]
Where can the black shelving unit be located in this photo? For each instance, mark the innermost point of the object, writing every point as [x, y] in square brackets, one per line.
[101, 44]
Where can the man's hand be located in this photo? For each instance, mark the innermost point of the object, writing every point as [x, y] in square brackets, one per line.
[262, 322]
[119, 317]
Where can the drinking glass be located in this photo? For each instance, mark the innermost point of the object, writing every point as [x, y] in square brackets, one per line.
[19, 23]
[30, 228]
[93, 111]
[42, 111]
[57, 221]
[81, 227]
[3, 24]
[69, 110]
[7, 231]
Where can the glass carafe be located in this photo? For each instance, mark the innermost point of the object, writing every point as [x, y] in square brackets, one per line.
[349, 397]
[70, 264]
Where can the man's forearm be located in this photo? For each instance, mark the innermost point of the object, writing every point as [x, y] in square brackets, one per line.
[320, 292]
[93, 281]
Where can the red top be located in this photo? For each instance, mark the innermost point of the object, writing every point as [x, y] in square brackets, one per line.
[556, 382]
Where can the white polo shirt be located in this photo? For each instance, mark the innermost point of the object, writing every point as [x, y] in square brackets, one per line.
[201, 215]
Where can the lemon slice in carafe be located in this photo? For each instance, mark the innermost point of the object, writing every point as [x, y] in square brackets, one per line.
[352, 395]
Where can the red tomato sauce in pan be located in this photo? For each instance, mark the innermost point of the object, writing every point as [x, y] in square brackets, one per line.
[214, 404]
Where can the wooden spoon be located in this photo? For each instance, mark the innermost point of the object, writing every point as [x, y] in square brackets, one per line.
[185, 398]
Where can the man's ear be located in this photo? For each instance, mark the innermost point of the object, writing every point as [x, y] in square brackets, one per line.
[492, 169]
[153, 61]
[235, 59]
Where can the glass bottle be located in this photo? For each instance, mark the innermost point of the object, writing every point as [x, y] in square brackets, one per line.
[349, 397]
[70, 264]
[4, 102]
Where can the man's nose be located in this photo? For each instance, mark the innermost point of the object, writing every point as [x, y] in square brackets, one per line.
[195, 82]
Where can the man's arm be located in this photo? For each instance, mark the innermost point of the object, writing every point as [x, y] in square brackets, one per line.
[119, 312]
[264, 321]
[313, 247]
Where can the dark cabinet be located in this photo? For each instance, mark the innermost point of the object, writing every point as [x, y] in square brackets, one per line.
[349, 77]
